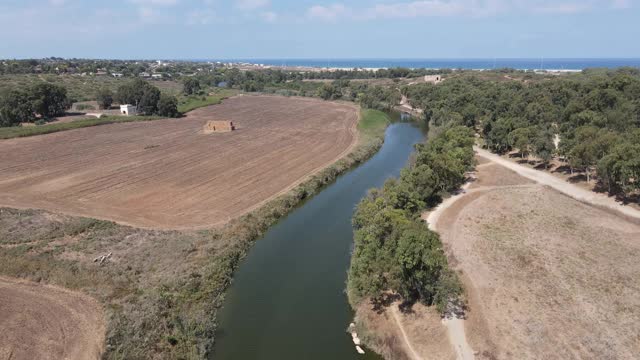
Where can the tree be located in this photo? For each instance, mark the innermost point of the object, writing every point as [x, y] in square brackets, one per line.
[421, 261]
[329, 92]
[522, 139]
[498, 136]
[15, 108]
[104, 98]
[49, 100]
[543, 145]
[168, 106]
[590, 144]
[620, 169]
[149, 102]
[132, 92]
[191, 86]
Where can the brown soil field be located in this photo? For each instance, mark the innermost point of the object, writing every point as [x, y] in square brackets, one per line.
[167, 174]
[45, 322]
[547, 277]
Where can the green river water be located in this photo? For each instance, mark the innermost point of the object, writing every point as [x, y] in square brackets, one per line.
[288, 297]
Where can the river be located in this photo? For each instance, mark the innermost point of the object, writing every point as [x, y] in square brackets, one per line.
[288, 299]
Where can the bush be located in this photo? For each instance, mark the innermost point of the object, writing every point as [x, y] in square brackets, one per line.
[82, 107]
[168, 106]
[104, 98]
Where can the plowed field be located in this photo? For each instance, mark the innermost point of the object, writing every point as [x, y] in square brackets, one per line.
[168, 174]
[46, 322]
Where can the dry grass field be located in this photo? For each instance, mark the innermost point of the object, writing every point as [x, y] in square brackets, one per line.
[167, 174]
[547, 277]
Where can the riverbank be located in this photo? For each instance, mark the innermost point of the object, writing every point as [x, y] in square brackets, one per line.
[161, 290]
[398, 263]
[295, 274]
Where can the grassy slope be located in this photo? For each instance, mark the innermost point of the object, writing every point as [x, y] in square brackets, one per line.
[24, 131]
[186, 104]
[82, 88]
[162, 289]
[190, 103]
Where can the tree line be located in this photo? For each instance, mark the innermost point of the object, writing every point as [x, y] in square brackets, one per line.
[594, 114]
[43, 101]
[37, 102]
[147, 98]
[394, 250]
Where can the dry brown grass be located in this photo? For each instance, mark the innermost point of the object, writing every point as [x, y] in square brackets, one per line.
[380, 331]
[547, 277]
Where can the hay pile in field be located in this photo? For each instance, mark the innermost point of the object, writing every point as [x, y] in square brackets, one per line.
[218, 126]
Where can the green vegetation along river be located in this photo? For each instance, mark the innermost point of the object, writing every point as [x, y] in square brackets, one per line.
[288, 297]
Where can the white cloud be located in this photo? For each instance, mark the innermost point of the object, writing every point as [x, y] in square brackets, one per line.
[450, 8]
[149, 15]
[621, 4]
[269, 16]
[327, 13]
[562, 8]
[252, 4]
[201, 17]
[155, 2]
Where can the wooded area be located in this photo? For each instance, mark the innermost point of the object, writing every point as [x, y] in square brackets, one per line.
[394, 250]
[596, 115]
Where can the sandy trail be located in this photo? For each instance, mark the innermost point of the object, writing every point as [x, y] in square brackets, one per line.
[562, 186]
[46, 322]
[454, 324]
[405, 338]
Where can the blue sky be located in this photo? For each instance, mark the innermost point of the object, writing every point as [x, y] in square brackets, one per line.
[187, 29]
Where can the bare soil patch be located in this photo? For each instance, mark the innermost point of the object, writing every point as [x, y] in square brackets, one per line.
[547, 276]
[166, 174]
[424, 336]
[46, 322]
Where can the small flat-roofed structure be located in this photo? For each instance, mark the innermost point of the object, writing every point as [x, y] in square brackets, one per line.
[434, 79]
[128, 110]
[218, 126]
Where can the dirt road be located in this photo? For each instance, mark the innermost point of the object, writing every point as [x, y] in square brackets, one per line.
[46, 322]
[560, 185]
[454, 324]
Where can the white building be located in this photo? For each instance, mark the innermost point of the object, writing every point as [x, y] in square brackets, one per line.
[156, 76]
[128, 110]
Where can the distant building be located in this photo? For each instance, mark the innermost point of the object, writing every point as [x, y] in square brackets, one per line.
[434, 79]
[144, 75]
[128, 110]
[117, 75]
[156, 76]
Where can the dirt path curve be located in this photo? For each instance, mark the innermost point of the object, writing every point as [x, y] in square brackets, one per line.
[560, 185]
[46, 322]
[454, 324]
[396, 316]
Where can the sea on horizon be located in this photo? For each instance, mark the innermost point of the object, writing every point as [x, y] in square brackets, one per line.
[469, 64]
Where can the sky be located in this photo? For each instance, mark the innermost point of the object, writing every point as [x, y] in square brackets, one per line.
[318, 29]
